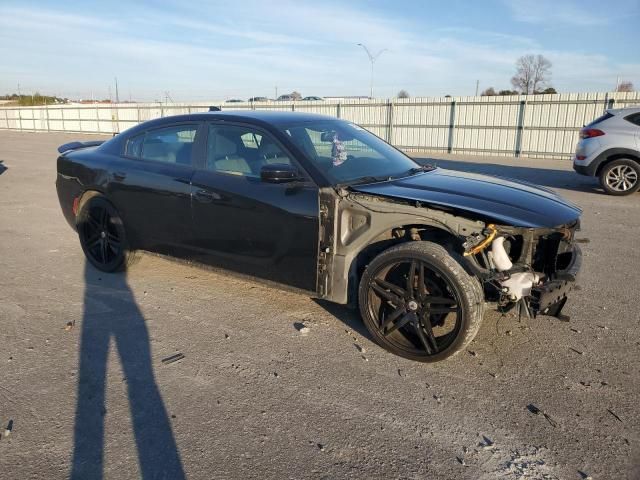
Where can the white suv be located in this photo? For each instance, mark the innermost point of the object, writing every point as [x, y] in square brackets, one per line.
[609, 148]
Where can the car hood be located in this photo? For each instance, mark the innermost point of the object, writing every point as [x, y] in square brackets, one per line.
[505, 201]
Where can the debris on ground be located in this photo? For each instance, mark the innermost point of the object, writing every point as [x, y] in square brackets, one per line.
[461, 461]
[301, 328]
[486, 442]
[360, 348]
[9, 429]
[365, 358]
[173, 358]
[613, 413]
[472, 353]
[320, 447]
[576, 351]
[70, 325]
[536, 411]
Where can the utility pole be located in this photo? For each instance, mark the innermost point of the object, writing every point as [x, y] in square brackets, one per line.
[477, 86]
[117, 96]
[276, 97]
[372, 59]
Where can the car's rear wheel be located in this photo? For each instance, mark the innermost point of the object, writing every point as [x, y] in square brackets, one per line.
[620, 177]
[417, 301]
[102, 235]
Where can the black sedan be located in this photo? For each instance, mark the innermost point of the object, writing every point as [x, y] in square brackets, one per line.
[320, 204]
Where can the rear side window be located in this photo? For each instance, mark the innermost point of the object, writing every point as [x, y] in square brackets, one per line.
[633, 118]
[167, 145]
[601, 118]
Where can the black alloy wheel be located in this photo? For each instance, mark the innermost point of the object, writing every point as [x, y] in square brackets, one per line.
[418, 302]
[102, 235]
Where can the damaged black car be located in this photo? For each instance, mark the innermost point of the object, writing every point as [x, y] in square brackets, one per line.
[322, 205]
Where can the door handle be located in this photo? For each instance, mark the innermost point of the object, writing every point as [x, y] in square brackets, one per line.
[205, 196]
[119, 176]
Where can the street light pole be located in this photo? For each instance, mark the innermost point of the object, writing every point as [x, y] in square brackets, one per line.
[372, 59]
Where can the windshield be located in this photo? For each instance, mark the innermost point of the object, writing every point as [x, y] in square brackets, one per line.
[347, 153]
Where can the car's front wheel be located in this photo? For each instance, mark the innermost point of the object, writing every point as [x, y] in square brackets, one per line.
[620, 177]
[418, 302]
[102, 235]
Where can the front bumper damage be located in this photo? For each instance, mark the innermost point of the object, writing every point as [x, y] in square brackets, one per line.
[533, 269]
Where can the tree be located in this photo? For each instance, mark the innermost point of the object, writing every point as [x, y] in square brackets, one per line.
[548, 90]
[296, 95]
[625, 87]
[489, 92]
[403, 94]
[507, 92]
[532, 73]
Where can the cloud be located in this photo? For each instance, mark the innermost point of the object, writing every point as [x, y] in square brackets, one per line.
[583, 13]
[199, 50]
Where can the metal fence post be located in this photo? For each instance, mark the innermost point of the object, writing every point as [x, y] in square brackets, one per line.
[520, 127]
[452, 123]
[293, 107]
[46, 111]
[20, 119]
[608, 102]
[62, 117]
[6, 117]
[390, 122]
[338, 108]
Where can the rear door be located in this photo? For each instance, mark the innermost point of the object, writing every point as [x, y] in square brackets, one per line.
[267, 230]
[150, 185]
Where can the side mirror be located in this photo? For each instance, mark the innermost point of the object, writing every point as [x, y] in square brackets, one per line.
[279, 173]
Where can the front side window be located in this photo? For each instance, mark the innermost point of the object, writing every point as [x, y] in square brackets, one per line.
[168, 145]
[241, 150]
[347, 153]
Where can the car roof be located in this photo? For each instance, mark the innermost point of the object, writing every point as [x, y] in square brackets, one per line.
[625, 110]
[250, 116]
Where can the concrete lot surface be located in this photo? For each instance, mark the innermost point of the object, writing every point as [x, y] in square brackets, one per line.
[83, 383]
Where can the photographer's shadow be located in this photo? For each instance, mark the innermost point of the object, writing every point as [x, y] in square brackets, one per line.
[111, 313]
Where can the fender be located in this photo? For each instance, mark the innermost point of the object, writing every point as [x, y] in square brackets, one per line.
[349, 222]
[593, 169]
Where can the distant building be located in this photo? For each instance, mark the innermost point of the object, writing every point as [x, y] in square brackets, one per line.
[346, 97]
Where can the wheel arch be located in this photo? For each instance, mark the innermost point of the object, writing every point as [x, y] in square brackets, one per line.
[617, 154]
[390, 237]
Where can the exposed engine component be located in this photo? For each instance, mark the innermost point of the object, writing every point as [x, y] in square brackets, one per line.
[518, 284]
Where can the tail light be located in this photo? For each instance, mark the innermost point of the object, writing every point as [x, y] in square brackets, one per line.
[590, 133]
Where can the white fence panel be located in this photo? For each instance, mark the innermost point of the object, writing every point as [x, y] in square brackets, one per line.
[535, 125]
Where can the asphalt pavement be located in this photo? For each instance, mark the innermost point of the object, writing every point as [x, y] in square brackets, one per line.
[172, 371]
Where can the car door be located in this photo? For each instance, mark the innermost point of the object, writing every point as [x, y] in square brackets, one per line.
[268, 230]
[151, 186]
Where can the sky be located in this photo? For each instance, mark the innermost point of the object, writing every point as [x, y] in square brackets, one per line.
[204, 50]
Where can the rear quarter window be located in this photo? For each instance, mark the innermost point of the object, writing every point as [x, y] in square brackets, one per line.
[134, 146]
[633, 118]
[600, 119]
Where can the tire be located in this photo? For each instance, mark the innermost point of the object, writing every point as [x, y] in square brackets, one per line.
[451, 300]
[620, 177]
[102, 235]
